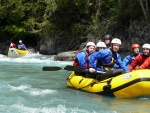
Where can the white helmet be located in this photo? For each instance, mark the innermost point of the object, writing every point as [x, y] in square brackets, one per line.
[100, 44]
[90, 44]
[116, 41]
[146, 46]
[20, 41]
[11, 44]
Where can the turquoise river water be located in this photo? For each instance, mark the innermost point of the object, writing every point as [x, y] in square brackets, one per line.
[25, 88]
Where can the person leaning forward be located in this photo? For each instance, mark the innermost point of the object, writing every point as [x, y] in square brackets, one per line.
[105, 59]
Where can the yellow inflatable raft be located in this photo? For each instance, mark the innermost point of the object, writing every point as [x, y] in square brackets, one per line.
[14, 53]
[128, 85]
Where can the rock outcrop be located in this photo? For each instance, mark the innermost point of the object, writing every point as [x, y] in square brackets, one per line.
[65, 56]
[4, 49]
[137, 34]
[52, 45]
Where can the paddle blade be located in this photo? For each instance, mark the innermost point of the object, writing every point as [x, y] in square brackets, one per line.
[74, 68]
[51, 68]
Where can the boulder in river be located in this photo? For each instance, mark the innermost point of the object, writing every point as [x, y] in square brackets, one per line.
[65, 56]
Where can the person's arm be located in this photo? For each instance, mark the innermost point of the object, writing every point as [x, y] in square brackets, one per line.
[121, 63]
[134, 63]
[24, 46]
[127, 60]
[145, 65]
[92, 60]
[96, 57]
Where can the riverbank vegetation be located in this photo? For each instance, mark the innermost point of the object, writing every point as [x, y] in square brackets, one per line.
[30, 18]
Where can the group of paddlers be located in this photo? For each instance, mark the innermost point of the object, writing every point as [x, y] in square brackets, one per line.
[21, 46]
[104, 56]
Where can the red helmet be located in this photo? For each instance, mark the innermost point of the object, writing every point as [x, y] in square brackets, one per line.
[134, 46]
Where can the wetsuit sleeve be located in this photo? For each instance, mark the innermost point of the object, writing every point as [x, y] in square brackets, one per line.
[127, 60]
[116, 66]
[93, 59]
[145, 65]
[81, 59]
[97, 56]
[121, 63]
[24, 46]
[134, 63]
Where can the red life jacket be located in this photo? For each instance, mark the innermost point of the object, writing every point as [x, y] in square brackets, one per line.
[14, 45]
[76, 63]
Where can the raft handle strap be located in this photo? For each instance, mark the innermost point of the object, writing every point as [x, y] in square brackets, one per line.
[87, 85]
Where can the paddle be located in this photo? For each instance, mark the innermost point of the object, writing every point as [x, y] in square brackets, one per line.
[74, 68]
[68, 67]
[77, 68]
[51, 68]
[100, 75]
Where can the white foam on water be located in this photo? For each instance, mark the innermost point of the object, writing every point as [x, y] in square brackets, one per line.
[3, 56]
[144, 98]
[34, 58]
[33, 91]
[20, 88]
[20, 108]
[31, 58]
[42, 92]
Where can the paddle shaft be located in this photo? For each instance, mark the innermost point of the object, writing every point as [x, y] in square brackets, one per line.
[68, 68]
[51, 68]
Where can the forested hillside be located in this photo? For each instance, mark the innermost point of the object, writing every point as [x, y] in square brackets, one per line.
[29, 19]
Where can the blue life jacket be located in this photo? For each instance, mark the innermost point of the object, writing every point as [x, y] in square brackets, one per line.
[104, 58]
[127, 60]
[81, 59]
[22, 47]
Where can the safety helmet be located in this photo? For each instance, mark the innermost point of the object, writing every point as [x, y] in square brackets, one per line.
[135, 46]
[100, 44]
[90, 44]
[20, 41]
[116, 41]
[107, 37]
[11, 44]
[146, 46]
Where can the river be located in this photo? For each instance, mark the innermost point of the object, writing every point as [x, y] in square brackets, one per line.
[25, 88]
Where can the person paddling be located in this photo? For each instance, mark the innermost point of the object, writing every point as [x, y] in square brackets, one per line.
[21, 46]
